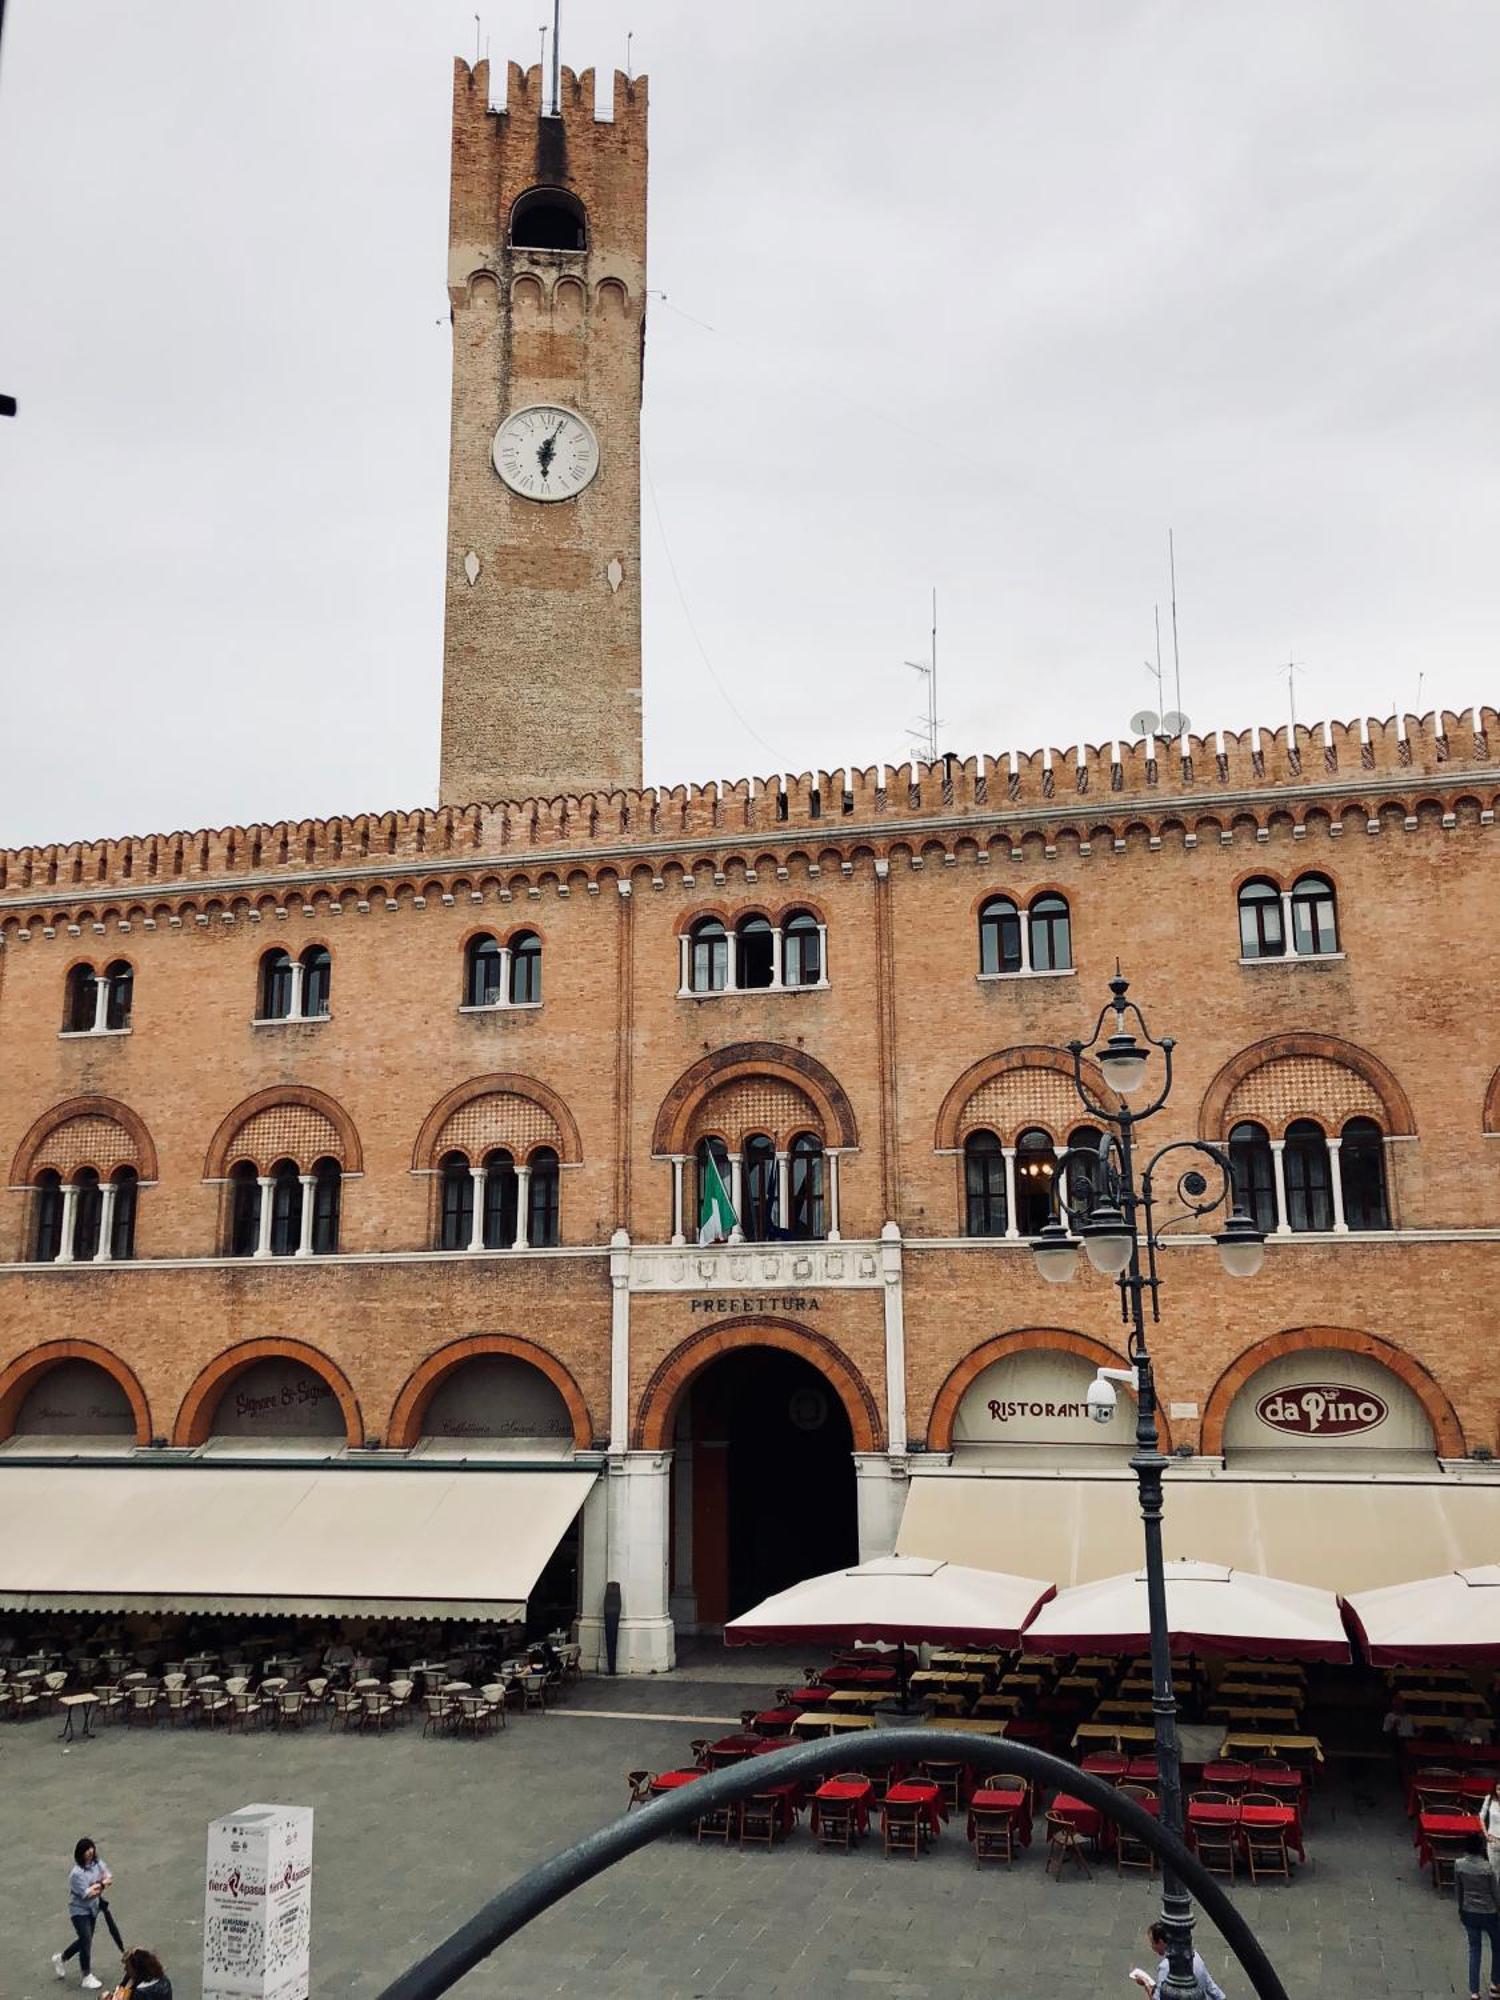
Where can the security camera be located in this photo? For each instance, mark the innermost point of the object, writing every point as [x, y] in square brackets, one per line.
[1101, 1400]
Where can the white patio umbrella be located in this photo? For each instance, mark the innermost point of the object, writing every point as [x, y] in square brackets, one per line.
[1210, 1609]
[1453, 1618]
[904, 1600]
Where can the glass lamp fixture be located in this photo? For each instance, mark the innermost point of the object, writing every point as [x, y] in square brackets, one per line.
[1107, 1238]
[1242, 1248]
[1123, 1062]
[1055, 1251]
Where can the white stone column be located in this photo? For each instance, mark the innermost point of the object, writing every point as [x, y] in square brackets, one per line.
[1012, 1226]
[880, 1486]
[1288, 934]
[737, 1195]
[476, 1222]
[679, 1163]
[523, 1208]
[683, 1601]
[101, 1004]
[1336, 1182]
[833, 1197]
[69, 1223]
[777, 946]
[593, 1573]
[731, 960]
[822, 978]
[639, 1493]
[294, 1013]
[504, 995]
[1278, 1167]
[684, 962]
[304, 1236]
[107, 1192]
[619, 1341]
[1025, 917]
[784, 1192]
[895, 1338]
[263, 1234]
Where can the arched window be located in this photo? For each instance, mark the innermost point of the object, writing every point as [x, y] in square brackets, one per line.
[1309, 1185]
[87, 1210]
[317, 980]
[327, 1186]
[548, 218]
[286, 1209]
[119, 983]
[46, 1217]
[126, 1185]
[755, 953]
[708, 956]
[802, 951]
[543, 1200]
[456, 1206]
[720, 1152]
[1315, 930]
[999, 936]
[482, 963]
[500, 1188]
[244, 1209]
[1036, 1171]
[1253, 1174]
[1362, 1170]
[806, 1222]
[1051, 934]
[985, 1212]
[525, 969]
[1083, 1170]
[759, 1221]
[276, 986]
[1262, 933]
[82, 1002]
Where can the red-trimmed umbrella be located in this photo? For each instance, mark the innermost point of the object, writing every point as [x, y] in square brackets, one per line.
[1210, 1609]
[1451, 1618]
[904, 1600]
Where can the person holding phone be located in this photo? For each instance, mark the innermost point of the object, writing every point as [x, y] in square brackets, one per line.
[144, 1978]
[88, 1878]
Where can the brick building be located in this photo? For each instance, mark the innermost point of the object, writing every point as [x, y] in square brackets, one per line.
[374, 1145]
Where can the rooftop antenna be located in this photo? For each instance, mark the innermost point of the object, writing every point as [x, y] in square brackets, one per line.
[1176, 660]
[1146, 722]
[928, 740]
[630, 37]
[1292, 669]
[1420, 678]
[556, 58]
[542, 31]
[478, 31]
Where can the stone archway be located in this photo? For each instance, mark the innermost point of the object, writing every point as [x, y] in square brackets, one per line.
[429, 1376]
[200, 1405]
[1447, 1431]
[27, 1370]
[1033, 1340]
[652, 1430]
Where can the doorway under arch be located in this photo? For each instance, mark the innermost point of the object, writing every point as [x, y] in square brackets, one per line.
[763, 1485]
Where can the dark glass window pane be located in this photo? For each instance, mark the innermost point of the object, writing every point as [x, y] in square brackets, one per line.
[759, 1221]
[999, 936]
[1314, 927]
[1309, 1188]
[286, 1210]
[1362, 1165]
[317, 976]
[1051, 935]
[1261, 933]
[754, 951]
[708, 955]
[83, 989]
[122, 1225]
[807, 1178]
[47, 1219]
[244, 1214]
[525, 970]
[456, 1224]
[275, 986]
[984, 1185]
[802, 962]
[500, 1190]
[543, 1204]
[118, 997]
[88, 1206]
[1036, 1172]
[327, 1182]
[1253, 1175]
[482, 985]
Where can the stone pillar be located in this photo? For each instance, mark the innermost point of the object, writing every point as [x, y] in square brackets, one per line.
[1288, 933]
[777, 946]
[684, 962]
[895, 1339]
[101, 1003]
[523, 1209]
[833, 1197]
[69, 1222]
[1278, 1167]
[593, 1574]
[1012, 1226]
[683, 1602]
[1336, 1183]
[737, 1195]
[822, 978]
[476, 1221]
[107, 1192]
[1023, 917]
[619, 1341]
[784, 1191]
[304, 1238]
[679, 1162]
[263, 1235]
[639, 1487]
[503, 999]
[294, 1009]
[880, 1482]
[731, 959]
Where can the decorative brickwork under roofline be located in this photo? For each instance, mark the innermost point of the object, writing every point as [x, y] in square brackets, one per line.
[1217, 1098]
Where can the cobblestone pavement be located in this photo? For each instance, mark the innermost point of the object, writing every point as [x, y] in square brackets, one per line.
[412, 1835]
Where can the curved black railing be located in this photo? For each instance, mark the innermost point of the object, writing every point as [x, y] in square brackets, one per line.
[541, 1887]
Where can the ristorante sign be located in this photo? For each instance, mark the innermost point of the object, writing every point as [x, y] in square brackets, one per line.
[1326, 1410]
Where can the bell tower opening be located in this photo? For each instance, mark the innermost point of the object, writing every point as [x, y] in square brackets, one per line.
[548, 219]
[763, 1488]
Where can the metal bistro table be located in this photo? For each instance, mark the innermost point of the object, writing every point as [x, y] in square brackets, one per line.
[73, 1703]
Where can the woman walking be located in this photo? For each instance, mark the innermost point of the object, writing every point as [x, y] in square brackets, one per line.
[1489, 1819]
[1478, 1911]
[88, 1879]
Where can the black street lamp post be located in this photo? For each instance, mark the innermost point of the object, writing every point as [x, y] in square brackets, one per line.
[1095, 1189]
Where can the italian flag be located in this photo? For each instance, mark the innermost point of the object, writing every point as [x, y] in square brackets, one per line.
[716, 1216]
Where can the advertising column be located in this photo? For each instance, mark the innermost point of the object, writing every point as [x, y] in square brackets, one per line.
[257, 1906]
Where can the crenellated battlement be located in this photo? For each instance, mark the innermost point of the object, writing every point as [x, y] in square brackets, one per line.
[1355, 759]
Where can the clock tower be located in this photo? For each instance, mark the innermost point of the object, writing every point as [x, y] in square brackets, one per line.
[547, 281]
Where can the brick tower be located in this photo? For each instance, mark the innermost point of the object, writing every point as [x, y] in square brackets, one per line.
[547, 278]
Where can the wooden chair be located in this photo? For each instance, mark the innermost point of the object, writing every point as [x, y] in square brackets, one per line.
[400, 1692]
[378, 1709]
[1131, 1851]
[181, 1702]
[112, 1702]
[494, 1694]
[1216, 1847]
[291, 1710]
[1064, 1844]
[901, 1829]
[142, 1707]
[1265, 1852]
[994, 1837]
[760, 1820]
[247, 1709]
[699, 1748]
[1444, 1849]
[640, 1788]
[439, 1714]
[718, 1825]
[1436, 1799]
[836, 1823]
[215, 1703]
[948, 1777]
[345, 1708]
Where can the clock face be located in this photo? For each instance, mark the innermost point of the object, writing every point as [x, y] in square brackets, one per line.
[546, 453]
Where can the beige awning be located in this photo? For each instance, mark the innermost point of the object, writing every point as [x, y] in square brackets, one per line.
[1338, 1533]
[280, 1540]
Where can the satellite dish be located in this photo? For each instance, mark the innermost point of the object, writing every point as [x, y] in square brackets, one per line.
[1145, 722]
[1174, 723]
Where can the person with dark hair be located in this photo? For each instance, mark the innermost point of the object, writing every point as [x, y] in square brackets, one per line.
[1478, 1897]
[144, 1978]
[1156, 1937]
[88, 1878]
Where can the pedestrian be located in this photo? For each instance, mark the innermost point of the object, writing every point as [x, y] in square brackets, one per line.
[1489, 1819]
[1156, 1937]
[144, 1978]
[88, 1878]
[1479, 1910]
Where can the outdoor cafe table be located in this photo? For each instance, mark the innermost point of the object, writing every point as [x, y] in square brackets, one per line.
[1112, 1734]
[845, 1791]
[1435, 1826]
[969, 1725]
[1448, 1726]
[1272, 1670]
[1122, 1711]
[997, 1704]
[73, 1703]
[1255, 1718]
[843, 1699]
[922, 1793]
[828, 1722]
[946, 1678]
[1286, 1818]
[670, 1781]
[730, 1749]
[1414, 1677]
[1418, 1750]
[776, 1721]
[1451, 1700]
[1238, 1741]
[986, 1662]
[809, 1697]
[994, 1798]
[859, 1677]
[1024, 1682]
[1289, 1692]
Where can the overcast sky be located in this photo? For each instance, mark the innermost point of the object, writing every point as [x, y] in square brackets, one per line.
[973, 293]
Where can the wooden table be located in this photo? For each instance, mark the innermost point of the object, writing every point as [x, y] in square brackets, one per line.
[936, 1677]
[1449, 1700]
[985, 1661]
[828, 1722]
[73, 1703]
[1288, 1694]
[1266, 1670]
[1112, 1733]
[1240, 1740]
[1124, 1711]
[846, 1698]
[970, 1725]
[997, 1704]
[1255, 1718]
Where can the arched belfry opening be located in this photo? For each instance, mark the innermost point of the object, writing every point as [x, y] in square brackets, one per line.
[763, 1490]
[548, 218]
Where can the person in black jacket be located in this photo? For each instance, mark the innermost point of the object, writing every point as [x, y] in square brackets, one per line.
[144, 1978]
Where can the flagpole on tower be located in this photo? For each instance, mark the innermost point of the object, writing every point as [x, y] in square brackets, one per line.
[556, 60]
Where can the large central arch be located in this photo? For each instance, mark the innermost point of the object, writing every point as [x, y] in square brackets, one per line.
[658, 1405]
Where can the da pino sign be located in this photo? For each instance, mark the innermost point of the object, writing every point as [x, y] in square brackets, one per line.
[1329, 1410]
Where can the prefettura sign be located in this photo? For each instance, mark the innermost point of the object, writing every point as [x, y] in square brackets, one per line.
[257, 1905]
